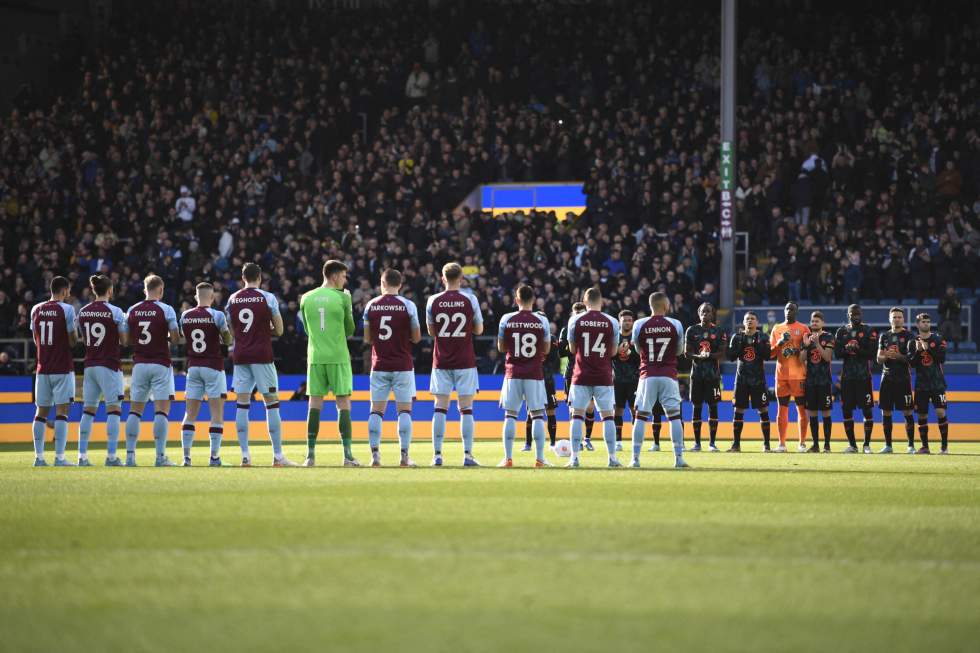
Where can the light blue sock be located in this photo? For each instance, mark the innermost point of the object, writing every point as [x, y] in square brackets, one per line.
[38, 430]
[510, 430]
[404, 430]
[85, 432]
[467, 426]
[160, 424]
[374, 431]
[677, 437]
[241, 428]
[60, 435]
[274, 423]
[537, 432]
[215, 431]
[438, 430]
[112, 434]
[609, 435]
[577, 434]
[639, 432]
[186, 437]
[132, 431]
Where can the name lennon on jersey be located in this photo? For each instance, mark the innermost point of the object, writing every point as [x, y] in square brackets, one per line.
[661, 328]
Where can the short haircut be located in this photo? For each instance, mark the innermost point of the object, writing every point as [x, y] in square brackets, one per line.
[204, 286]
[705, 304]
[923, 316]
[626, 313]
[332, 267]
[99, 283]
[392, 278]
[58, 284]
[578, 307]
[818, 314]
[592, 296]
[153, 282]
[524, 293]
[658, 299]
[853, 306]
[452, 271]
[251, 272]
[896, 309]
[748, 313]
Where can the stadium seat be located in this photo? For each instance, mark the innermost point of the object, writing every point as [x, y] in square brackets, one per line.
[967, 346]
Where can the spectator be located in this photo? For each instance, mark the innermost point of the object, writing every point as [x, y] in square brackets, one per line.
[950, 308]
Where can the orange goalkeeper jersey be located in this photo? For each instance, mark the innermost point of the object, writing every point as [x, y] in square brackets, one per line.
[788, 367]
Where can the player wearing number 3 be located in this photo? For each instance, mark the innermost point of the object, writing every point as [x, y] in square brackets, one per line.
[153, 326]
[254, 318]
[205, 329]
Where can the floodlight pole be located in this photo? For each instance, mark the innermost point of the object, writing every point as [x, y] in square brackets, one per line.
[727, 154]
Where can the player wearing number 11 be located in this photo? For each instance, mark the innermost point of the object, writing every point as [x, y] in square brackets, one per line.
[328, 320]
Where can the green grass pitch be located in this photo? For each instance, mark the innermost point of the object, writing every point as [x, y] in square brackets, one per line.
[751, 552]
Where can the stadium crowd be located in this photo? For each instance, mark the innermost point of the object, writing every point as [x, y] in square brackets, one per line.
[194, 140]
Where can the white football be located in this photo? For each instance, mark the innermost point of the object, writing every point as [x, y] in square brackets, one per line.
[563, 449]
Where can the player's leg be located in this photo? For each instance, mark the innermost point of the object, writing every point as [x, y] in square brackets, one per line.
[713, 400]
[243, 382]
[939, 402]
[528, 427]
[60, 391]
[867, 403]
[313, 409]
[404, 389]
[740, 401]
[91, 395]
[161, 424]
[216, 428]
[656, 416]
[267, 383]
[887, 401]
[467, 385]
[44, 399]
[759, 397]
[375, 422]
[802, 419]
[511, 397]
[589, 425]
[579, 398]
[187, 426]
[441, 386]
[535, 397]
[670, 399]
[604, 398]
[848, 404]
[139, 394]
[346, 429]
[922, 409]
[782, 417]
[697, 403]
[811, 400]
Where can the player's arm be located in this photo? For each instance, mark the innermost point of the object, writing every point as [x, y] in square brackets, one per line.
[546, 347]
[689, 349]
[939, 353]
[71, 322]
[720, 354]
[840, 343]
[368, 336]
[882, 355]
[826, 353]
[570, 334]
[416, 330]
[765, 349]
[563, 344]
[733, 349]
[501, 341]
[172, 325]
[349, 325]
[430, 325]
[222, 323]
[477, 317]
[121, 325]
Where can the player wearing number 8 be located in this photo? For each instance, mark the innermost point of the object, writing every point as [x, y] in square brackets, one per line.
[328, 320]
[153, 326]
[103, 328]
[205, 330]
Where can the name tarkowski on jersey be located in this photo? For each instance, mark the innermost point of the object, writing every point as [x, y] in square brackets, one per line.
[388, 307]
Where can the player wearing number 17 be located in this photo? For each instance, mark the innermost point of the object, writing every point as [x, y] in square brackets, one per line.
[659, 340]
[153, 326]
[328, 320]
[254, 317]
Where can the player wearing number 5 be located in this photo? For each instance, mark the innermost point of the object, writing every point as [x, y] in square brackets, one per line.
[254, 317]
[153, 326]
[927, 353]
[205, 330]
[452, 318]
[328, 320]
[103, 328]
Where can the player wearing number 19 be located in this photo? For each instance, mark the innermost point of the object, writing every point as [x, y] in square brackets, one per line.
[53, 325]
[391, 327]
[153, 326]
[103, 328]
[328, 319]
[254, 317]
[205, 330]
[525, 338]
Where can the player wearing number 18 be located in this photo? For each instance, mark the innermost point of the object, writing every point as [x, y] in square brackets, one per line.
[205, 330]
[153, 326]
[103, 328]
[254, 317]
[328, 320]
[525, 339]
[391, 327]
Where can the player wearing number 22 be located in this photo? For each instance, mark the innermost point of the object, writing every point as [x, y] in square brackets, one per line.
[593, 338]
[103, 328]
[525, 339]
[153, 326]
[659, 340]
[452, 318]
[254, 317]
[53, 325]
[205, 329]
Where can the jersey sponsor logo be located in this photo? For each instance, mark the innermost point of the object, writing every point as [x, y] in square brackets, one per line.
[705, 346]
[852, 343]
[926, 359]
[748, 354]
[815, 356]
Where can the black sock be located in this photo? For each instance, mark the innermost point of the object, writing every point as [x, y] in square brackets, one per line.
[827, 428]
[552, 428]
[815, 429]
[765, 428]
[619, 427]
[737, 424]
[869, 424]
[886, 426]
[849, 431]
[924, 430]
[527, 430]
[656, 428]
[910, 429]
[713, 422]
[589, 423]
[696, 422]
[943, 432]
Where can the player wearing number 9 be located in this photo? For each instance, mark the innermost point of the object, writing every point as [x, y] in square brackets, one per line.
[205, 330]
[153, 327]
[103, 329]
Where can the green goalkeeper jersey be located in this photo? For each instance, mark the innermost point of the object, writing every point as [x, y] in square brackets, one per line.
[328, 319]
